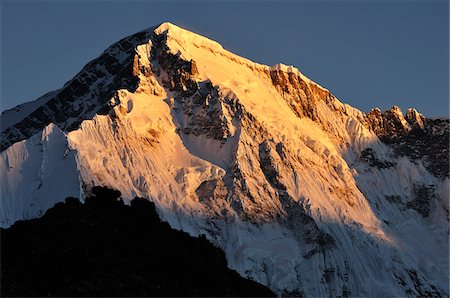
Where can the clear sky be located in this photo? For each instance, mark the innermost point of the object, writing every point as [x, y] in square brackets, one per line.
[367, 53]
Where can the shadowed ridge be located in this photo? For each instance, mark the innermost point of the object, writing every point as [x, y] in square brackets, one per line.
[105, 248]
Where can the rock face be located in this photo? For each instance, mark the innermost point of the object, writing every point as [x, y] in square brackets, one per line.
[414, 136]
[86, 95]
[303, 193]
[415, 120]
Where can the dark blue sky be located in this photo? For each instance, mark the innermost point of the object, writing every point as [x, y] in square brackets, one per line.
[367, 53]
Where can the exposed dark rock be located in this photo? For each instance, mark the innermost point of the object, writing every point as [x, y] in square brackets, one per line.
[394, 199]
[422, 195]
[328, 275]
[368, 156]
[346, 291]
[301, 96]
[104, 248]
[415, 120]
[86, 94]
[211, 193]
[415, 137]
[389, 123]
[201, 102]
[420, 199]
[180, 73]
[205, 112]
[295, 216]
[421, 289]
[295, 293]
[296, 92]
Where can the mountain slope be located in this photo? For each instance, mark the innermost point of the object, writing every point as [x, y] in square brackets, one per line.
[104, 248]
[304, 194]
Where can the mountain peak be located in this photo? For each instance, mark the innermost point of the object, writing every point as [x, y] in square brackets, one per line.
[183, 40]
[414, 118]
[168, 26]
[274, 169]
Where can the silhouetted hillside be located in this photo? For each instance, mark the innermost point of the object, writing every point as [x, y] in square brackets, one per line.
[105, 248]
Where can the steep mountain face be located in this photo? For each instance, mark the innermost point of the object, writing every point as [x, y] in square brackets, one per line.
[86, 95]
[304, 194]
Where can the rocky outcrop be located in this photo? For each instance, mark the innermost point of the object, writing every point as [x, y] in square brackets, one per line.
[294, 215]
[415, 120]
[421, 200]
[179, 73]
[368, 156]
[388, 124]
[208, 112]
[87, 94]
[301, 96]
[414, 136]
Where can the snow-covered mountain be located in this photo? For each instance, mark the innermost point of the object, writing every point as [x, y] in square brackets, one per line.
[305, 194]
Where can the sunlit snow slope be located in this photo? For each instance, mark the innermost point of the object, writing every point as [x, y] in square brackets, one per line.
[295, 186]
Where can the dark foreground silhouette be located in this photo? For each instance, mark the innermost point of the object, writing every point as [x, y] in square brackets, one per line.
[105, 248]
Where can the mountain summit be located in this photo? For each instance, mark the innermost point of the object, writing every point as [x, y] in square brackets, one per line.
[303, 193]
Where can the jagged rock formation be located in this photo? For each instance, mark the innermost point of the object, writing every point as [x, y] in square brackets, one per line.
[104, 248]
[304, 194]
[86, 95]
[414, 136]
